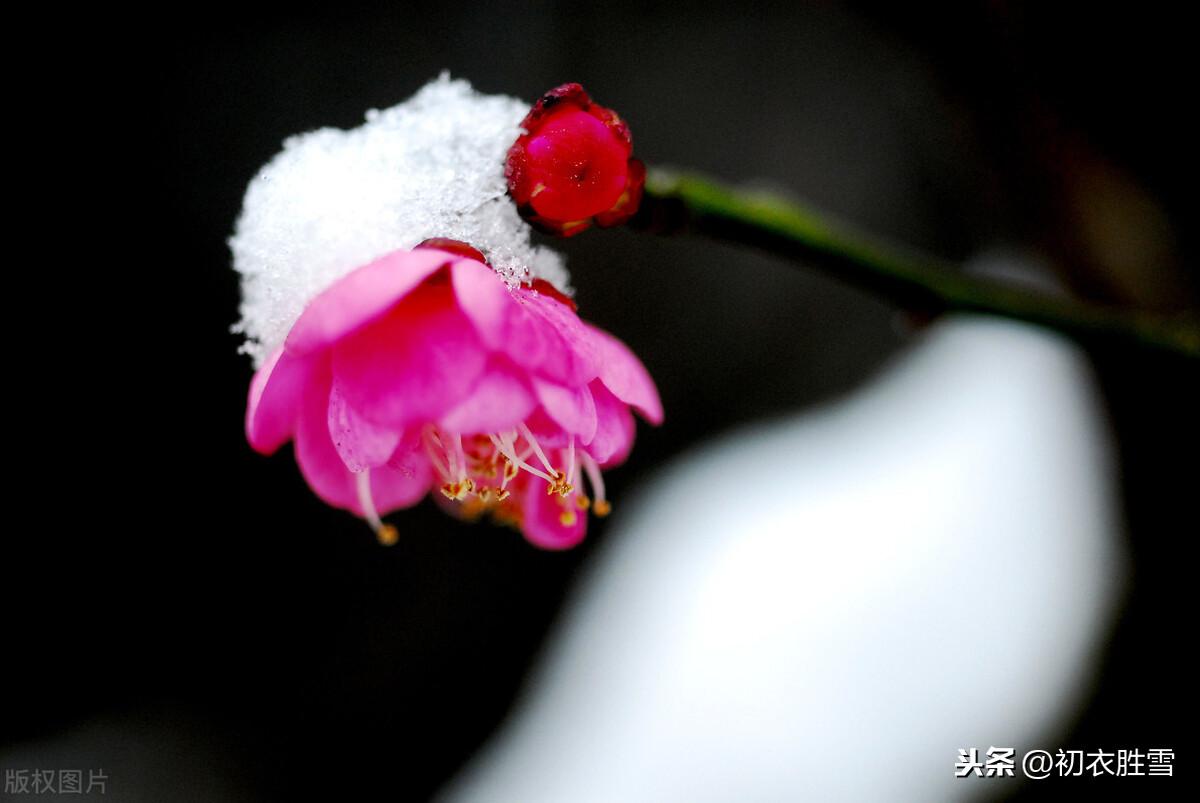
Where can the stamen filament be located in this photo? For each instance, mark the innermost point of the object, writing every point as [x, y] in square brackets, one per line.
[600, 505]
[427, 438]
[386, 533]
[536, 447]
[508, 449]
[451, 461]
[461, 457]
[571, 461]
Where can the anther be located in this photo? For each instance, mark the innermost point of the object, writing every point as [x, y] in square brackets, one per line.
[559, 485]
[460, 490]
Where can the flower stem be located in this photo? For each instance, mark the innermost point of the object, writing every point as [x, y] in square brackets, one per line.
[693, 203]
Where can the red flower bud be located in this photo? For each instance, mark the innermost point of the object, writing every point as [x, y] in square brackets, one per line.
[573, 166]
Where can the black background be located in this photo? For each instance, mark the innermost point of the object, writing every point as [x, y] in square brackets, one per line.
[191, 608]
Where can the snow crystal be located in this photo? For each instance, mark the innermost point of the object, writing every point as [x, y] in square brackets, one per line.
[334, 200]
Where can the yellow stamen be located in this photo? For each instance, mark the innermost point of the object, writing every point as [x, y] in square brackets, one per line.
[599, 505]
[559, 485]
[458, 491]
[387, 535]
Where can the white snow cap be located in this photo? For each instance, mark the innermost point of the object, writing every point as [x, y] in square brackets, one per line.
[335, 200]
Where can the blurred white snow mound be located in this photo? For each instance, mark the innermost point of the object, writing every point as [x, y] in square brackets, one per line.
[828, 607]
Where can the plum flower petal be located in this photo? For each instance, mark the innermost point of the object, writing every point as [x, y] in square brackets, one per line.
[360, 443]
[488, 305]
[624, 374]
[442, 379]
[326, 472]
[364, 295]
[537, 331]
[500, 400]
[552, 521]
[275, 394]
[419, 359]
[614, 427]
[572, 408]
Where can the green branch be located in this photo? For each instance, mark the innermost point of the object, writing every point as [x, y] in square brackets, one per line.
[693, 203]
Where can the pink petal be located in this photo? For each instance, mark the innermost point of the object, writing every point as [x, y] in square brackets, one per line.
[549, 433]
[409, 458]
[571, 408]
[275, 394]
[359, 443]
[614, 428]
[624, 374]
[572, 358]
[485, 299]
[500, 400]
[543, 516]
[326, 473]
[539, 333]
[414, 364]
[361, 296]
[319, 461]
[402, 483]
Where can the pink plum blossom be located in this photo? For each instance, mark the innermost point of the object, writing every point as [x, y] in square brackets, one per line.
[424, 371]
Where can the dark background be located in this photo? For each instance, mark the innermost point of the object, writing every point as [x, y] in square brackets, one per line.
[187, 613]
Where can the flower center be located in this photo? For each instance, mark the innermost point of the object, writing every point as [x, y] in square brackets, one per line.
[478, 470]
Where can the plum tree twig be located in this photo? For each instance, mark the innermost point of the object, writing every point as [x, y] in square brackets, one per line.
[689, 202]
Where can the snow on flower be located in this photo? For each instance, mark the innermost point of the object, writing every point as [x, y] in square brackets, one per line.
[425, 371]
[332, 200]
[400, 361]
